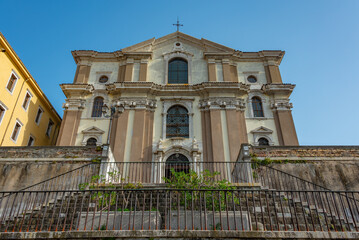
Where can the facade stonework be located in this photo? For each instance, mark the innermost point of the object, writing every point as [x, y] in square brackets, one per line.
[217, 97]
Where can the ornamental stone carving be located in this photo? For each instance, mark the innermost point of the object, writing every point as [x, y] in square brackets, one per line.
[222, 103]
[281, 105]
[74, 104]
[137, 103]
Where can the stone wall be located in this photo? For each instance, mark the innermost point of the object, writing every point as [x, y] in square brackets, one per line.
[21, 167]
[333, 167]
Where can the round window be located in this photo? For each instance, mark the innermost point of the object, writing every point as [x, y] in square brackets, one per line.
[252, 79]
[103, 79]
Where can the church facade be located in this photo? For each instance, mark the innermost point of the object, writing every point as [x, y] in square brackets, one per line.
[177, 98]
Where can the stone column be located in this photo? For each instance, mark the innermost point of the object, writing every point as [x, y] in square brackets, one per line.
[286, 132]
[70, 123]
[143, 70]
[212, 75]
[82, 72]
[129, 70]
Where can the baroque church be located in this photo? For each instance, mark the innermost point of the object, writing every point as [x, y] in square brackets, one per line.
[177, 98]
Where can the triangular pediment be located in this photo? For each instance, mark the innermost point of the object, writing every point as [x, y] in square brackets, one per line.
[204, 44]
[93, 130]
[262, 130]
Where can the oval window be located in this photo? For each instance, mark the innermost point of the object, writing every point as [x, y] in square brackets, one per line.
[252, 79]
[103, 79]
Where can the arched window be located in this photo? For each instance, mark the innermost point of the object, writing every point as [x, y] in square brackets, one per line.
[91, 142]
[178, 162]
[263, 142]
[177, 122]
[178, 71]
[97, 107]
[257, 107]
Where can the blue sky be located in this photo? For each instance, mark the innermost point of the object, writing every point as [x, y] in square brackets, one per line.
[321, 40]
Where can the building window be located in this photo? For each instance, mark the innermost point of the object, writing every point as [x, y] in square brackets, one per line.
[263, 142]
[97, 107]
[27, 99]
[178, 162]
[49, 128]
[91, 142]
[16, 131]
[31, 141]
[177, 122]
[3, 109]
[252, 79]
[257, 107]
[178, 71]
[12, 82]
[38, 115]
[103, 79]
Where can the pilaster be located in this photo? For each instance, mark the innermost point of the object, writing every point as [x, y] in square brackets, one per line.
[82, 72]
[287, 134]
[212, 70]
[143, 70]
[226, 70]
[70, 123]
[121, 72]
[129, 70]
[272, 73]
[213, 148]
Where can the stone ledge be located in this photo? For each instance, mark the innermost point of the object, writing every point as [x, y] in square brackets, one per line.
[180, 234]
[43, 152]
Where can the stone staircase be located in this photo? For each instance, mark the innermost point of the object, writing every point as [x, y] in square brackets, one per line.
[263, 211]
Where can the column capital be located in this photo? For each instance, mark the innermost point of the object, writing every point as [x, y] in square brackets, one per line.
[281, 105]
[74, 104]
[224, 103]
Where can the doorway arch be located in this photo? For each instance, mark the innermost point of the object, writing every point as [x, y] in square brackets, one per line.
[178, 162]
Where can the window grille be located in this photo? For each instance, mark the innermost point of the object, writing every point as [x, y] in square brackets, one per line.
[177, 122]
[178, 71]
[257, 107]
[97, 107]
[263, 142]
[91, 142]
[178, 162]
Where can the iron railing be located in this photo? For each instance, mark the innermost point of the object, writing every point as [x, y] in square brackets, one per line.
[180, 209]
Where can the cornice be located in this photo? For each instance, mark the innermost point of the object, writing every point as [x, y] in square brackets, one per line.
[85, 56]
[78, 90]
[196, 89]
[278, 89]
[269, 57]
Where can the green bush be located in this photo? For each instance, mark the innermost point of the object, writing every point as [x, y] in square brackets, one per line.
[205, 180]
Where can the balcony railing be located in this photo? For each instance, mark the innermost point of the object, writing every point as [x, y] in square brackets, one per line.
[179, 209]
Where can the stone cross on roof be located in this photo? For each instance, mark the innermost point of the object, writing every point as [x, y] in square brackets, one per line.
[178, 25]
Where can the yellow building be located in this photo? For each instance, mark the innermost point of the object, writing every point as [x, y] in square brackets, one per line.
[27, 117]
